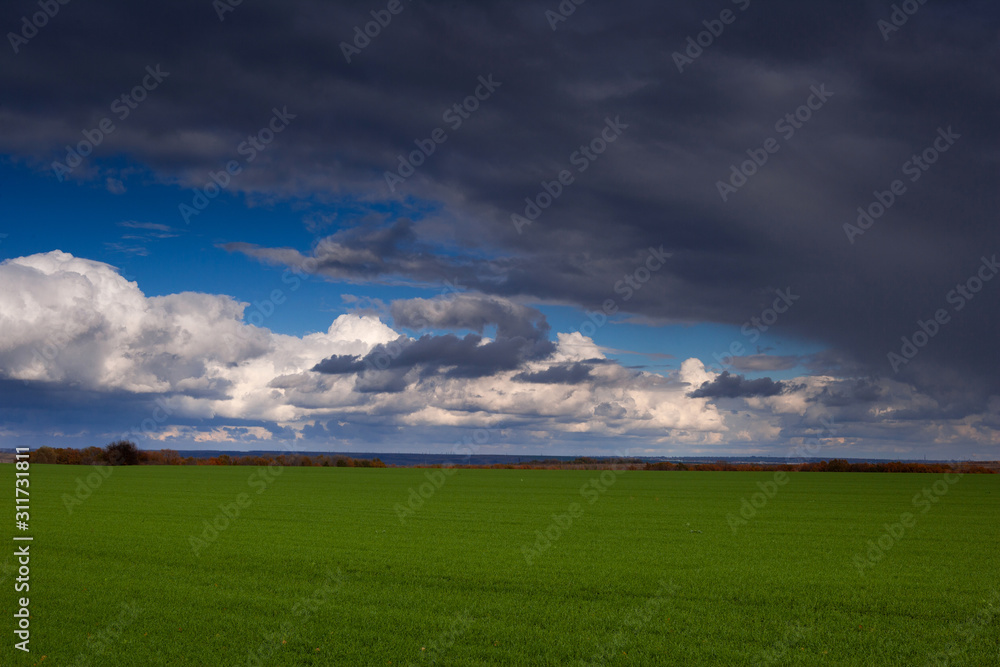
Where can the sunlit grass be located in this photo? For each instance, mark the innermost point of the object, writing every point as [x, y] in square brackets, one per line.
[317, 569]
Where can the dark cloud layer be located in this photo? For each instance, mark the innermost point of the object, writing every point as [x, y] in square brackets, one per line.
[654, 186]
[471, 311]
[563, 374]
[861, 391]
[727, 385]
[522, 336]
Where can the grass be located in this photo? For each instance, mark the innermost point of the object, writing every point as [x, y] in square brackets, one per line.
[117, 582]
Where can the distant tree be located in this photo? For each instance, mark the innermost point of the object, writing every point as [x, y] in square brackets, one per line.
[170, 457]
[838, 465]
[122, 453]
[93, 455]
[44, 455]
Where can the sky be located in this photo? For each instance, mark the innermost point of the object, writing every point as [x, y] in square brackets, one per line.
[733, 228]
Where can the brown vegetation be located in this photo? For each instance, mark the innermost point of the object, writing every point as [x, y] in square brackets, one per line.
[833, 465]
[126, 453]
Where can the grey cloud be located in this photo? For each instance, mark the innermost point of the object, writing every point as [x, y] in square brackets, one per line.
[340, 364]
[575, 373]
[610, 411]
[727, 385]
[757, 363]
[656, 185]
[522, 336]
[471, 311]
[849, 393]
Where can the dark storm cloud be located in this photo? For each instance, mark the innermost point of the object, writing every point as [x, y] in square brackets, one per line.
[522, 335]
[368, 252]
[850, 393]
[95, 417]
[340, 364]
[727, 385]
[471, 311]
[655, 185]
[757, 363]
[465, 357]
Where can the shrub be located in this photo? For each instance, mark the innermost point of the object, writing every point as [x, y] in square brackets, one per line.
[122, 453]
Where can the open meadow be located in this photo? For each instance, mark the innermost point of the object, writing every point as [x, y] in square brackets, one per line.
[166, 565]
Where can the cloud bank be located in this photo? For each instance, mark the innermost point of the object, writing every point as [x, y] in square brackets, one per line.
[186, 368]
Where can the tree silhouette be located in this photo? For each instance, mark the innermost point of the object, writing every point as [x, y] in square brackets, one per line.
[122, 453]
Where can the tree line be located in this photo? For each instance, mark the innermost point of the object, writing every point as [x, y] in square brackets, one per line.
[124, 452]
[833, 465]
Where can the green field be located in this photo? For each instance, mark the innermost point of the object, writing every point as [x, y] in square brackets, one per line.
[318, 569]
